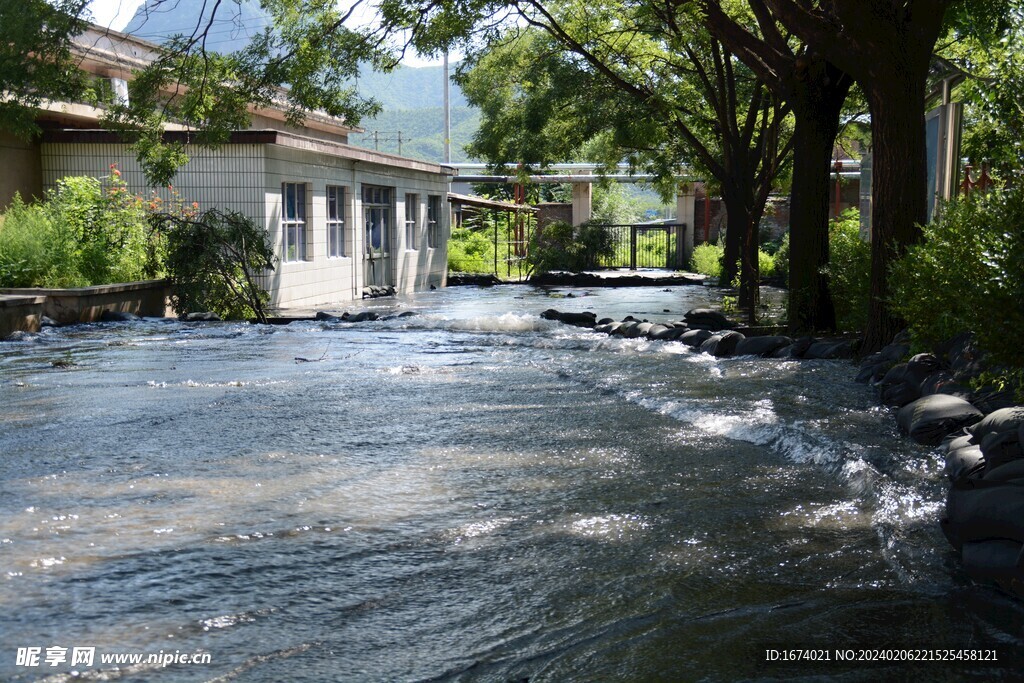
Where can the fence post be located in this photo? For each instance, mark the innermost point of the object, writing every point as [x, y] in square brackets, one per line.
[632, 247]
[681, 246]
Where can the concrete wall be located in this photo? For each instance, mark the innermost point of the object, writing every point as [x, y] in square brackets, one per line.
[20, 314]
[87, 304]
[20, 170]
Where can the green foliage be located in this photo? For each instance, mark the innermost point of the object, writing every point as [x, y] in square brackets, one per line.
[24, 248]
[101, 232]
[87, 232]
[780, 261]
[984, 41]
[968, 274]
[36, 63]
[559, 247]
[707, 260]
[470, 252]
[215, 262]
[612, 204]
[765, 263]
[849, 271]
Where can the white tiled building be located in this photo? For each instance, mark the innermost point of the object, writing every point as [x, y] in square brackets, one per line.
[340, 217]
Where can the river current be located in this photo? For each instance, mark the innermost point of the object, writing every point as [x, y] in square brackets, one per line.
[472, 494]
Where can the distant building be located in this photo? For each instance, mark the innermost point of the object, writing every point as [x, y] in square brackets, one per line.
[340, 217]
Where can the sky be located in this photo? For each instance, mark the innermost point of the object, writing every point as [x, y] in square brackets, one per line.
[116, 14]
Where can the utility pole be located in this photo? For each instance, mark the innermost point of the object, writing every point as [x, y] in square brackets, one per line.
[447, 115]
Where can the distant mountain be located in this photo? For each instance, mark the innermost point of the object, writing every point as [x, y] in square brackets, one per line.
[409, 88]
[412, 97]
[233, 26]
[413, 101]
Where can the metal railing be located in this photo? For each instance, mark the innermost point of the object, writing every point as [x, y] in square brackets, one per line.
[645, 246]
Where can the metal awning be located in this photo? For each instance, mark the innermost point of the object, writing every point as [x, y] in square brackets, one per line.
[482, 203]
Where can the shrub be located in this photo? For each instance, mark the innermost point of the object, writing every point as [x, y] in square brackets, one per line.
[558, 246]
[780, 263]
[967, 274]
[470, 252]
[849, 271]
[24, 248]
[215, 261]
[765, 264]
[87, 232]
[707, 260]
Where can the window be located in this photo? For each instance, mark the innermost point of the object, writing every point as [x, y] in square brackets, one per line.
[433, 221]
[412, 215]
[335, 221]
[377, 211]
[293, 221]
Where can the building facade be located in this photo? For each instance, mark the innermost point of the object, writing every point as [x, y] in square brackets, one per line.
[340, 217]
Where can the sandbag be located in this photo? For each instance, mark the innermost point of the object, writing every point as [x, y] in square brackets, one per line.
[894, 352]
[829, 350]
[624, 328]
[783, 352]
[998, 560]
[801, 345]
[1000, 421]
[958, 439]
[1001, 447]
[707, 319]
[666, 334]
[936, 382]
[656, 329]
[604, 328]
[928, 420]
[871, 373]
[964, 463]
[722, 345]
[695, 338]
[984, 514]
[638, 330]
[897, 389]
[922, 365]
[585, 319]
[1006, 472]
[761, 346]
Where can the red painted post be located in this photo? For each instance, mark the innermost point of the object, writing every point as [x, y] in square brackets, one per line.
[967, 184]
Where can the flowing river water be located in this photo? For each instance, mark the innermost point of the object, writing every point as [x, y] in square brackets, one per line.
[472, 493]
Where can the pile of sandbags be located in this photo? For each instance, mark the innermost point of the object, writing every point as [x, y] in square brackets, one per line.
[984, 516]
[710, 332]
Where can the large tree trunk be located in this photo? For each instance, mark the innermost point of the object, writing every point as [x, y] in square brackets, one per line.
[899, 201]
[816, 103]
[741, 242]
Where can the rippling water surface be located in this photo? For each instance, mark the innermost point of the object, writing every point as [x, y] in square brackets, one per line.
[472, 493]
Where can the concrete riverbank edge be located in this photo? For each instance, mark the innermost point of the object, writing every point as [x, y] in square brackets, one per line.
[20, 314]
[979, 431]
[83, 304]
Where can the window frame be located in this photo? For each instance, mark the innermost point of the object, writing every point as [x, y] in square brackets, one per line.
[433, 221]
[379, 200]
[412, 220]
[335, 224]
[294, 228]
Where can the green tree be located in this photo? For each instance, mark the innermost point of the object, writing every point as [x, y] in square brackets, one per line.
[886, 46]
[655, 87]
[36, 62]
[816, 90]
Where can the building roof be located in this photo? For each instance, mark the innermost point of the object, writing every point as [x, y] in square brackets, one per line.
[263, 137]
[482, 203]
